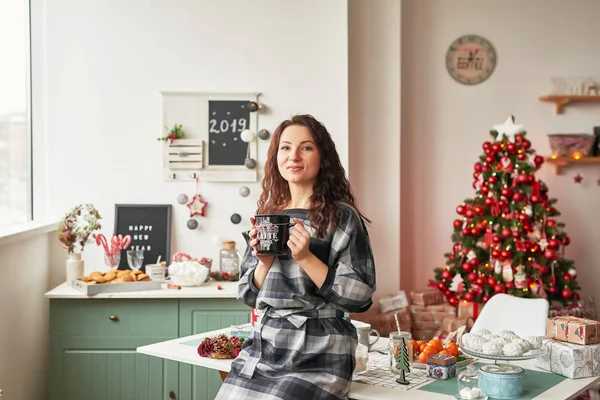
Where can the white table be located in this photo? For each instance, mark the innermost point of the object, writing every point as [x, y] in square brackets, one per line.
[176, 351]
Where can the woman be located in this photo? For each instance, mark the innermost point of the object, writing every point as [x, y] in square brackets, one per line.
[303, 347]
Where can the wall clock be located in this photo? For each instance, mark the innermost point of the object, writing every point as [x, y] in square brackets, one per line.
[471, 59]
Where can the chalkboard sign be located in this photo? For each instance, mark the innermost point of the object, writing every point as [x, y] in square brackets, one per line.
[227, 118]
[149, 226]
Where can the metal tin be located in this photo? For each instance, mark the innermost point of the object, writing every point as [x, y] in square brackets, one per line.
[502, 381]
[440, 366]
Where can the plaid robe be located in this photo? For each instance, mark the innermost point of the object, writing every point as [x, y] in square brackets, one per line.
[303, 347]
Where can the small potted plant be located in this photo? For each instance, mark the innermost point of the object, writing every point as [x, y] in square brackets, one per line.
[75, 230]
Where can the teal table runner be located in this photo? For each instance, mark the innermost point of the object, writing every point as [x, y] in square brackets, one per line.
[534, 383]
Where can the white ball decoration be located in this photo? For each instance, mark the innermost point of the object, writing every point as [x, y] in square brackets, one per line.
[247, 135]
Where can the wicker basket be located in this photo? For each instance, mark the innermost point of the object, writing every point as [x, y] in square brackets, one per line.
[571, 144]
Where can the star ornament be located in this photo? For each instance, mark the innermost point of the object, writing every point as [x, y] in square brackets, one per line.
[508, 129]
[578, 178]
[197, 206]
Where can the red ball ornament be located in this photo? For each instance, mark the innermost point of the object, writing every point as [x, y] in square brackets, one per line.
[469, 296]
[461, 210]
[479, 210]
[475, 231]
[502, 203]
[521, 156]
[506, 192]
[478, 167]
[516, 234]
[499, 288]
[575, 296]
[523, 178]
[566, 240]
[491, 281]
[466, 267]
[534, 199]
[509, 285]
[553, 290]
[485, 298]
[447, 275]
[485, 168]
[442, 286]
[518, 138]
[456, 247]
[492, 179]
[488, 152]
[495, 253]
[566, 293]
[517, 197]
[553, 244]
[472, 277]
[551, 223]
[447, 293]
[566, 277]
[550, 254]
[480, 281]
[451, 257]
[526, 144]
[453, 301]
[495, 147]
[457, 223]
[485, 189]
[496, 239]
[511, 148]
[506, 233]
[538, 160]
[522, 217]
[505, 254]
[486, 145]
[488, 201]
[476, 175]
[474, 262]
[489, 159]
[469, 213]
[465, 231]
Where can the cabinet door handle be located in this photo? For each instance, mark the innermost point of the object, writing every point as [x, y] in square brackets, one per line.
[171, 394]
[113, 318]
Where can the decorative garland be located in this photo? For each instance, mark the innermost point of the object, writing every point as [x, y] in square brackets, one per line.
[176, 132]
[77, 227]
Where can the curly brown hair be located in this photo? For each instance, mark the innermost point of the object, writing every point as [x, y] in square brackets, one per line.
[331, 186]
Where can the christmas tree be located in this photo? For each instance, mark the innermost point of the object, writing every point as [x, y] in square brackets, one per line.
[403, 364]
[506, 239]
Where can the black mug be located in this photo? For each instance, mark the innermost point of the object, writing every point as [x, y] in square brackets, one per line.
[272, 232]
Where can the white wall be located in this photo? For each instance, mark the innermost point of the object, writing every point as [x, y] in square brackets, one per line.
[444, 123]
[374, 90]
[107, 61]
[29, 268]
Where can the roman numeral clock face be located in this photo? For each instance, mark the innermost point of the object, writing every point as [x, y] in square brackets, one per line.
[471, 59]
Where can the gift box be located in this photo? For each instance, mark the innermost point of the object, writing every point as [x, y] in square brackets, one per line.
[427, 297]
[391, 303]
[467, 309]
[573, 330]
[450, 324]
[569, 359]
[432, 314]
[424, 334]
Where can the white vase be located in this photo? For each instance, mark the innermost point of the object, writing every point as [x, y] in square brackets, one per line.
[74, 267]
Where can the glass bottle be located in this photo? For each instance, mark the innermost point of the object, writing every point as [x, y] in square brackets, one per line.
[468, 383]
[394, 346]
[229, 259]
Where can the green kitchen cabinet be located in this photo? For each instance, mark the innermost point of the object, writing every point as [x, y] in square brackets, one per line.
[93, 347]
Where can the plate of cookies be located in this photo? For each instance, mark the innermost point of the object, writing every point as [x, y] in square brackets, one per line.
[114, 281]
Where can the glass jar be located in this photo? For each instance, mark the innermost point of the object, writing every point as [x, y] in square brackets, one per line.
[394, 347]
[468, 383]
[229, 260]
[362, 359]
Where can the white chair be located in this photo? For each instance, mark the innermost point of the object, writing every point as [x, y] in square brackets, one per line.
[525, 317]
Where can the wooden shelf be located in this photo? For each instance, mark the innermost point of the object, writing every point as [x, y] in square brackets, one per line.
[560, 100]
[560, 162]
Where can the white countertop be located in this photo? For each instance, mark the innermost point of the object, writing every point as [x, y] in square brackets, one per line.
[176, 351]
[207, 291]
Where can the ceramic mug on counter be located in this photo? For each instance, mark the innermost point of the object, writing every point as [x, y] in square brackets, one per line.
[363, 330]
[155, 271]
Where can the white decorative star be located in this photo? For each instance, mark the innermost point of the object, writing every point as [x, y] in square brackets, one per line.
[543, 243]
[508, 129]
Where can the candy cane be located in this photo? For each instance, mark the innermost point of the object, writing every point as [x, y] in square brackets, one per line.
[126, 242]
[101, 240]
[178, 257]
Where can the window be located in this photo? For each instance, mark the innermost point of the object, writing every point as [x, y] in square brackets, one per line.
[15, 132]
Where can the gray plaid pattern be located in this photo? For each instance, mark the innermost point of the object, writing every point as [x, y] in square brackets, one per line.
[304, 348]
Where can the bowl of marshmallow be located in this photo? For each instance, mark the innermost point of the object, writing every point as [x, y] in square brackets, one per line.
[504, 345]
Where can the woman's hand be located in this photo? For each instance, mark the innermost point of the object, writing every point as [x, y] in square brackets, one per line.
[299, 241]
[266, 261]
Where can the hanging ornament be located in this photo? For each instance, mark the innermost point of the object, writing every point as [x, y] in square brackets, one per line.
[244, 191]
[197, 205]
[250, 163]
[573, 272]
[182, 199]
[578, 178]
[247, 135]
[192, 223]
[528, 210]
[497, 267]
[520, 279]
[263, 134]
[236, 218]
[507, 272]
